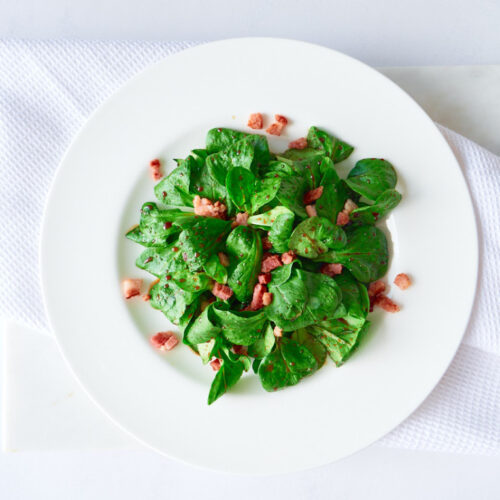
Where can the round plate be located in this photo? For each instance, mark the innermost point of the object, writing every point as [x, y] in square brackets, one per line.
[161, 399]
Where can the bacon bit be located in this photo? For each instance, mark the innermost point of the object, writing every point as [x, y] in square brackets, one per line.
[298, 143]
[376, 288]
[223, 259]
[281, 119]
[266, 244]
[311, 210]
[146, 297]
[241, 220]
[386, 303]
[255, 121]
[131, 287]
[240, 349]
[154, 168]
[267, 298]
[313, 195]
[164, 341]
[270, 262]
[215, 364]
[257, 299]
[349, 206]
[402, 280]
[206, 208]
[275, 128]
[287, 257]
[222, 291]
[331, 269]
[278, 332]
[265, 278]
[342, 218]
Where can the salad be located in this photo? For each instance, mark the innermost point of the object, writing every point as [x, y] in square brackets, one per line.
[267, 261]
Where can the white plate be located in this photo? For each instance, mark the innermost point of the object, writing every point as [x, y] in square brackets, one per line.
[96, 197]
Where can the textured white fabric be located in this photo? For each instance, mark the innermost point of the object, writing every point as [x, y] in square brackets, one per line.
[48, 90]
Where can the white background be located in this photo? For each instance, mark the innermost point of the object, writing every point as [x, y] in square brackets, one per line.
[392, 32]
[379, 32]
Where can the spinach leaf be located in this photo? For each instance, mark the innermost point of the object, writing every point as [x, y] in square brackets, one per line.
[192, 282]
[366, 254]
[371, 177]
[314, 346]
[169, 298]
[315, 236]
[240, 185]
[320, 140]
[334, 193]
[200, 238]
[240, 327]
[161, 261]
[215, 269]
[286, 365]
[202, 329]
[207, 349]
[245, 249]
[383, 205]
[229, 373]
[173, 190]
[264, 345]
[341, 151]
[354, 299]
[291, 194]
[281, 230]
[265, 191]
[303, 155]
[339, 339]
[267, 219]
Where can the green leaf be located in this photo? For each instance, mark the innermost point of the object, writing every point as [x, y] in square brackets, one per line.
[240, 185]
[161, 261]
[366, 254]
[265, 191]
[314, 346]
[173, 190]
[286, 365]
[215, 269]
[354, 299]
[371, 177]
[241, 327]
[192, 282]
[341, 151]
[201, 238]
[244, 247]
[370, 214]
[207, 350]
[281, 230]
[202, 329]
[229, 373]
[267, 219]
[315, 236]
[320, 140]
[263, 346]
[291, 194]
[334, 193]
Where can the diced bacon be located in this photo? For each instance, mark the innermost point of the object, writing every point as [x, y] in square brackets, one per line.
[206, 208]
[265, 278]
[131, 287]
[298, 143]
[349, 206]
[331, 269]
[311, 210]
[257, 299]
[241, 220]
[267, 298]
[164, 341]
[270, 262]
[255, 121]
[154, 168]
[275, 128]
[386, 303]
[278, 332]
[313, 195]
[376, 288]
[215, 364]
[146, 297]
[402, 280]
[342, 218]
[240, 349]
[222, 291]
[287, 257]
[266, 244]
[223, 259]
[281, 119]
